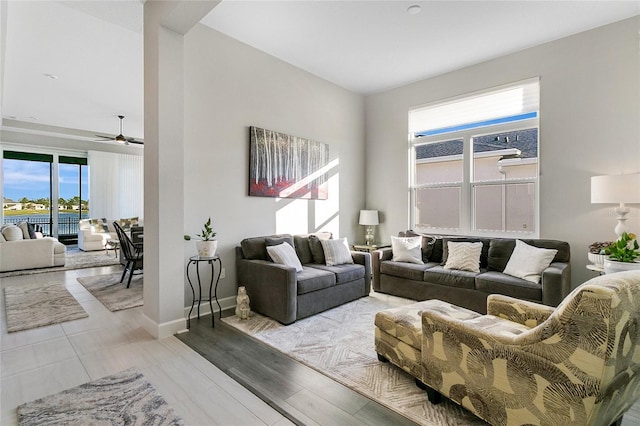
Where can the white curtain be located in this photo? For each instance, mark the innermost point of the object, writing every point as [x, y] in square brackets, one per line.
[116, 185]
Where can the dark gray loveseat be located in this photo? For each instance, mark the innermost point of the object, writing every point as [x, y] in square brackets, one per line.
[469, 289]
[278, 291]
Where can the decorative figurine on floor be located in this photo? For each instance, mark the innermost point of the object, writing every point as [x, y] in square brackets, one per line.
[242, 304]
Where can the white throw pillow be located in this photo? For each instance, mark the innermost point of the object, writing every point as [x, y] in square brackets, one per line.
[12, 233]
[336, 252]
[284, 254]
[463, 256]
[25, 230]
[528, 262]
[407, 249]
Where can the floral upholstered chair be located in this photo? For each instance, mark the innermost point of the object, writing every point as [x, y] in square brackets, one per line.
[525, 363]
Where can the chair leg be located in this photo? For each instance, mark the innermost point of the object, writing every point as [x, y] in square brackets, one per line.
[382, 358]
[131, 274]
[433, 396]
[617, 422]
[125, 271]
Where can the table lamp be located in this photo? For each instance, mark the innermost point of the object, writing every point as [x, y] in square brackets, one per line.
[369, 218]
[617, 189]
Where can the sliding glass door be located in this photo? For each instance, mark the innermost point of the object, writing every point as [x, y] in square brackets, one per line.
[47, 190]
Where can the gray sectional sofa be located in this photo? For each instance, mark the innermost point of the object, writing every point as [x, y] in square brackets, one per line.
[278, 291]
[470, 289]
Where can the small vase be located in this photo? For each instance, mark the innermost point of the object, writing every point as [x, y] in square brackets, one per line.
[612, 266]
[207, 248]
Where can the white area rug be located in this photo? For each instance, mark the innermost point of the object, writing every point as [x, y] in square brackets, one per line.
[125, 398]
[114, 294]
[340, 344]
[36, 305]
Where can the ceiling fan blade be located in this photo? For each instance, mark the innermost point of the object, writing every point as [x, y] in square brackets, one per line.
[104, 138]
[135, 141]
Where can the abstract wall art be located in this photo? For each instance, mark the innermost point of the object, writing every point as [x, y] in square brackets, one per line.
[287, 166]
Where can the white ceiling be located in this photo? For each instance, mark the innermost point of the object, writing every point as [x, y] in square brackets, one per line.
[95, 47]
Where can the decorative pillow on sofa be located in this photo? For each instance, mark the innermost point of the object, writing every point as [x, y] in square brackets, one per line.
[528, 262]
[317, 251]
[336, 252]
[407, 249]
[12, 233]
[463, 256]
[99, 225]
[126, 224]
[428, 243]
[24, 227]
[284, 254]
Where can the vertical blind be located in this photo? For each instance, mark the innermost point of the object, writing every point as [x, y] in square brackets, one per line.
[116, 185]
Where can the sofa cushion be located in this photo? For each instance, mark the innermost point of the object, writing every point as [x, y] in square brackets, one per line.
[528, 262]
[276, 240]
[256, 248]
[284, 254]
[336, 252]
[483, 255]
[344, 273]
[24, 227]
[411, 271]
[450, 277]
[301, 244]
[2, 239]
[500, 250]
[316, 246]
[497, 282]
[463, 256]
[407, 249]
[427, 245]
[12, 233]
[312, 279]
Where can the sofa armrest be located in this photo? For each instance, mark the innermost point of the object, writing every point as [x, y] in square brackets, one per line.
[364, 259]
[556, 283]
[523, 312]
[377, 257]
[272, 288]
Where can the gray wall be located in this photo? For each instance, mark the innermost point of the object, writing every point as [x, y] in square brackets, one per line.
[589, 125]
[230, 86]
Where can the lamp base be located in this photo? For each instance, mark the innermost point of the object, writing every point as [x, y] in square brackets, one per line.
[621, 227]
[368, 239]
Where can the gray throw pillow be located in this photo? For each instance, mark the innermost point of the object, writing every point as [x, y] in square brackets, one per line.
[499, 253]
[316, 249]
[301, 243]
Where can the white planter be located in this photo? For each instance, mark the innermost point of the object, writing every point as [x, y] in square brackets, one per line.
[596, 259]
[207, 248]
[613, 266]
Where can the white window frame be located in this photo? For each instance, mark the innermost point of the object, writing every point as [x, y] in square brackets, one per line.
[468, 184]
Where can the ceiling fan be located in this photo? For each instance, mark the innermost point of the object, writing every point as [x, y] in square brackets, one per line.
[120, 138]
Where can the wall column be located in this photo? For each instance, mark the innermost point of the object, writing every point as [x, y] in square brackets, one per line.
[165, 23]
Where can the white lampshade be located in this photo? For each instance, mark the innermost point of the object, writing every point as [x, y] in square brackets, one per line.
[368, 217]
[616, 189]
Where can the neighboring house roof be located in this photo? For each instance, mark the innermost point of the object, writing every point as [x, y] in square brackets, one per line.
[527, 143]
[7, 200]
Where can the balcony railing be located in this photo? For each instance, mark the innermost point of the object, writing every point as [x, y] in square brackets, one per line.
[67, 226]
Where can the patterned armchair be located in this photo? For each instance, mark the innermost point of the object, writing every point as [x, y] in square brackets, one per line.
[525, 363]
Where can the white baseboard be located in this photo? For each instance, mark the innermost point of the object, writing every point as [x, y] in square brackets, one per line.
[160, 331]
[226, 303]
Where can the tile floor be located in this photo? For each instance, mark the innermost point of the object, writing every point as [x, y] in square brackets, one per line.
[42, 361]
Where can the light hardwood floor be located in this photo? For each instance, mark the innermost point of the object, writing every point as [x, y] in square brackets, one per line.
[47, 360]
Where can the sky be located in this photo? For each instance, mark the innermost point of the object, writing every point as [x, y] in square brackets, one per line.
[31, 179]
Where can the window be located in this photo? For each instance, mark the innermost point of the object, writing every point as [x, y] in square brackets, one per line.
[30, 194]
[475, 163]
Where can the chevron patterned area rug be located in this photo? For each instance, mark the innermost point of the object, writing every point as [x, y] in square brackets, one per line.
[125, 398]
[340, 344]
[36, 305]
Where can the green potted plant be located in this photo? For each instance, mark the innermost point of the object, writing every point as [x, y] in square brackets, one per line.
[622, 254]
[207, 244]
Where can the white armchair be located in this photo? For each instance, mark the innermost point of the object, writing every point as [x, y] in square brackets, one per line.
[92, 236]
